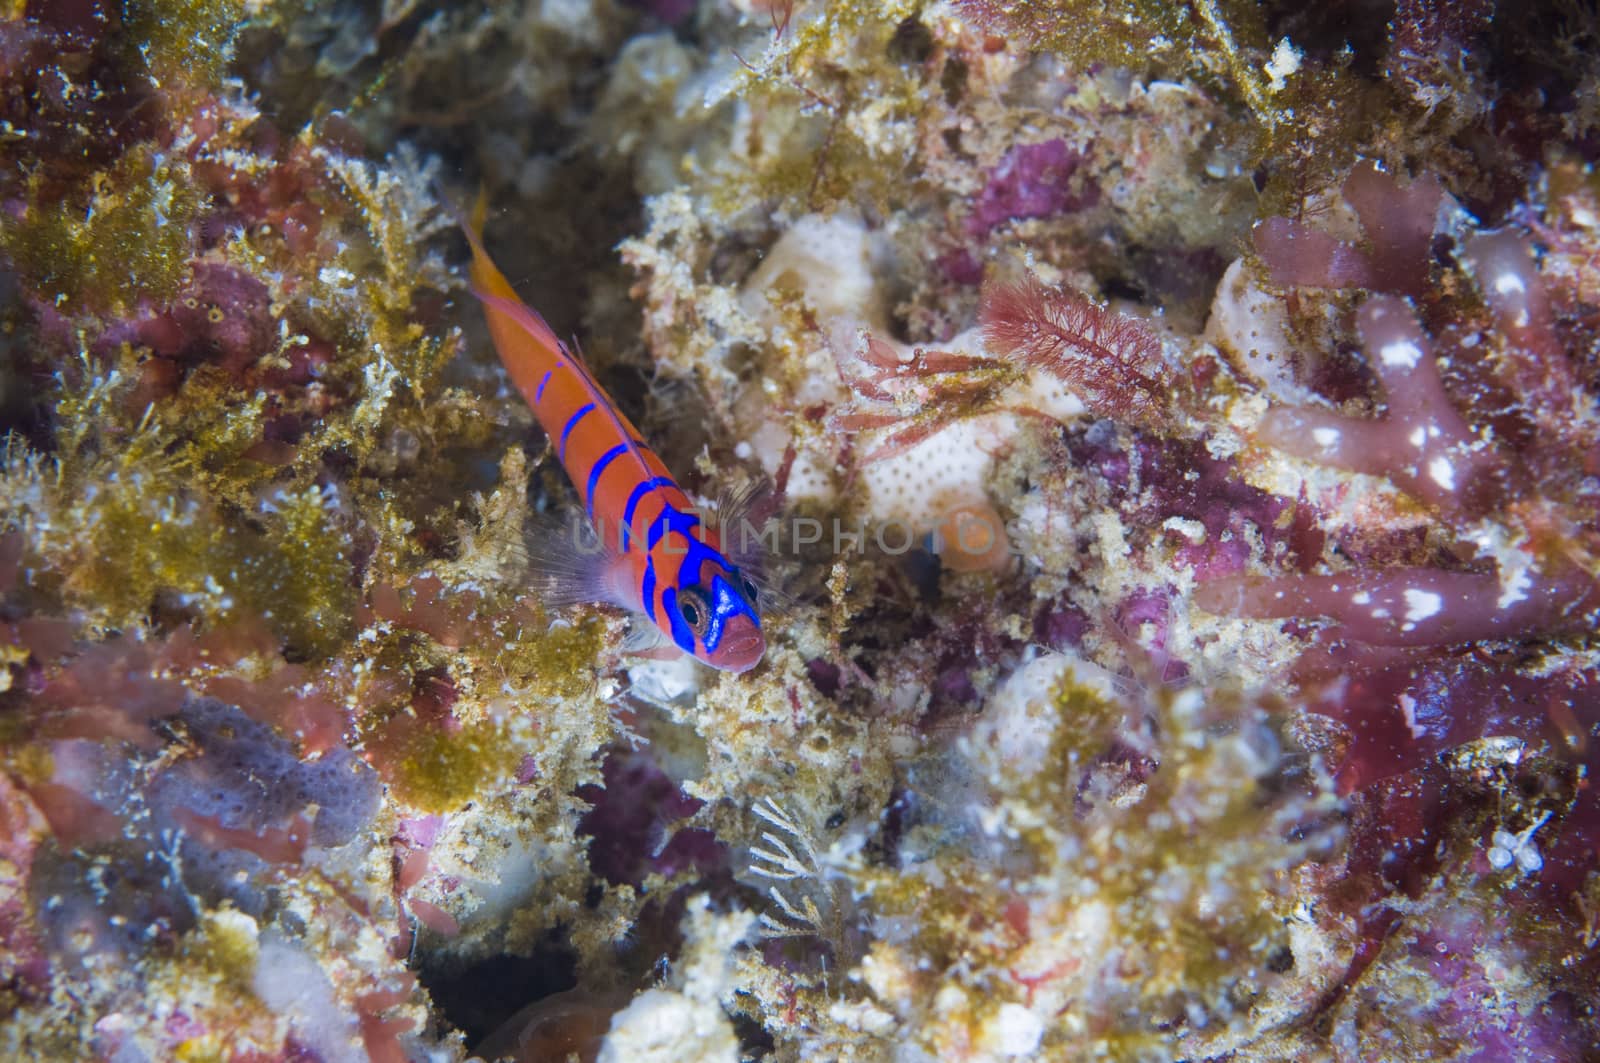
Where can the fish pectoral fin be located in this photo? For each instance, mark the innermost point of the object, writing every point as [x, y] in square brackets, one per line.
[567, 564]
[646, 640]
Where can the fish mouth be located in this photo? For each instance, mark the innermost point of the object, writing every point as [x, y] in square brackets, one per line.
[741, 648]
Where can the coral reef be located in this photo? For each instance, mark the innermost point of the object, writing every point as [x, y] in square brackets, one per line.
[1183, 576]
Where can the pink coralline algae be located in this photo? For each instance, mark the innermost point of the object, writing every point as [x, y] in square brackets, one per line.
[1537, 496]
[1487, 424]
[1210, 492]
[1458, 949]
[1032, 181]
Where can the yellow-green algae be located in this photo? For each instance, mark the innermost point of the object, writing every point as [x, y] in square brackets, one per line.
[833, 103]
[123, 522]
[1152, 861]
[1086, 718]
[438, 770]
[524, 664]
[149, 509]
[1169, 39]
[128, 240]
[555, 664]
[145, 502]
[187, 41]
[227, 942]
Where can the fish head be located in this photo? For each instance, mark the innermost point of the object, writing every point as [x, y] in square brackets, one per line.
[716, 620]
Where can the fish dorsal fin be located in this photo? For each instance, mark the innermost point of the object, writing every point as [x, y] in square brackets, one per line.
[530, 321]
[581, 364]
[526, 318]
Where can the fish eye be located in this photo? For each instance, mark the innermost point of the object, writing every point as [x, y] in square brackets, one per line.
[695, 613]
[747, 587]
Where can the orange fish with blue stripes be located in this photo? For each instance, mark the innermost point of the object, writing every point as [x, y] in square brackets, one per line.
[658, 558]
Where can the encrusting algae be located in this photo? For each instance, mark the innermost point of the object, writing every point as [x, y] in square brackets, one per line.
[1260, 725]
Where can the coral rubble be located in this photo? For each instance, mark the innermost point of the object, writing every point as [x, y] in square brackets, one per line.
[1183, 576]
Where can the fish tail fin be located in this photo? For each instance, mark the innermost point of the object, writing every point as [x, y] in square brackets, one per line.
[470, 223]
[485, 275]
[501, 302]
[473, 222]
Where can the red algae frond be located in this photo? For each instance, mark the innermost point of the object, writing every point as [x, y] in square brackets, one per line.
[1416, 606]
[1421, 442]
[1398, 220]
[1482, 640]
[1112, 362]
[1541, 583]
[1532, 361]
